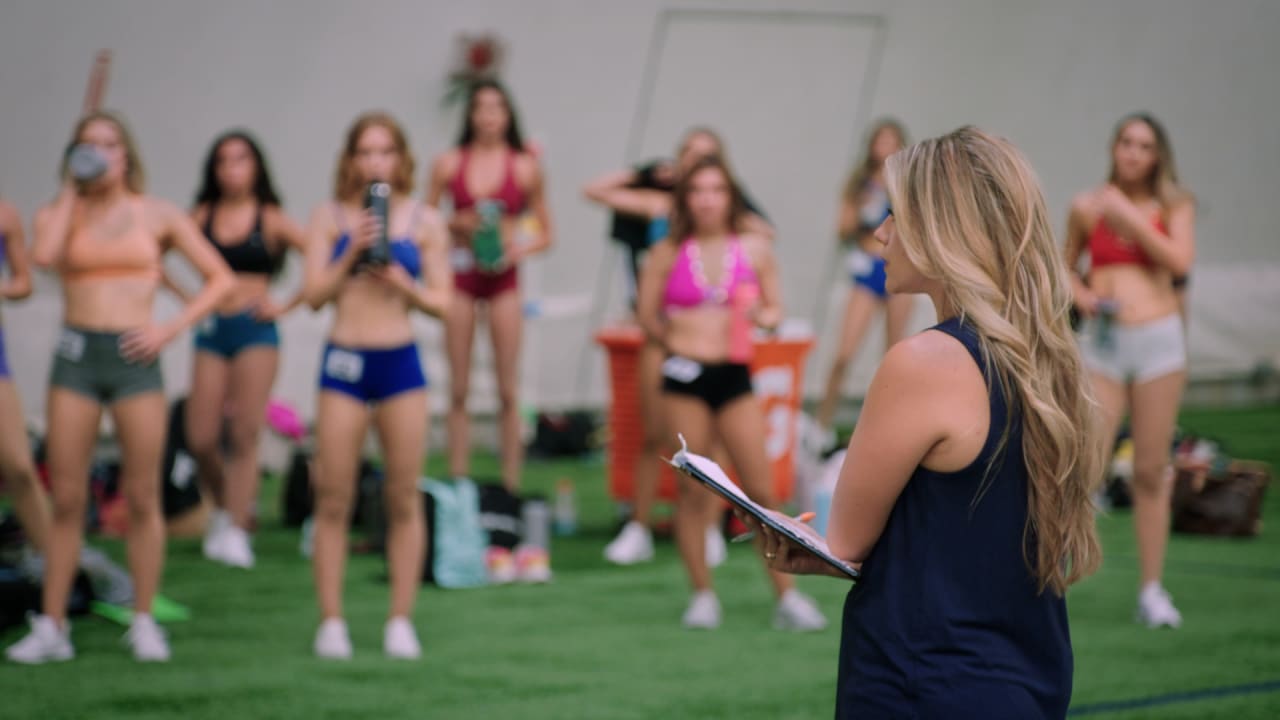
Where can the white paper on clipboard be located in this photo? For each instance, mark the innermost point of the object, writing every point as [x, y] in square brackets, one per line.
[707, 472]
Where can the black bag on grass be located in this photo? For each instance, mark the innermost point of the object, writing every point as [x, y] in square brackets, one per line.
[500, 515]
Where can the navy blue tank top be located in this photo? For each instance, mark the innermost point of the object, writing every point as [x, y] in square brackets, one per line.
[946, 621]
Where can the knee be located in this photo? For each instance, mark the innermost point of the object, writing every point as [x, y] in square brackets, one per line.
[142, 497]
[403, 505]
[202, 441]
[68, 505]
[333, 507]
[1152, 476]
[243, 438]
[20, 477]
[506, 398]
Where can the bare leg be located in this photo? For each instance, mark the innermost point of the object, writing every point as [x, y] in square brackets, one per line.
[73, 424]
[19, 471]
[402, 429]
[459, 327]
[506, 324]
[205, 410]
[741, 427]
[253, 372]
[858, 312]
[140, 430]
[645, 474]
[690, 417]
[341, 423]
[1154, 408]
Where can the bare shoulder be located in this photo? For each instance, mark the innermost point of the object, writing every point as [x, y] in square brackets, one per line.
[161, 212]
[758, 247]
[929, 361]
[9, 216]
[446, 163]
[322, 218]
[1084, 206]
[528, 169]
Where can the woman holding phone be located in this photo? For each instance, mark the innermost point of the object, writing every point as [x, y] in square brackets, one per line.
[106, 238]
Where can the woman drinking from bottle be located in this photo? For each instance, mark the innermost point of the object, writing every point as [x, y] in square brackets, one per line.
[106, 238]
[377, 256]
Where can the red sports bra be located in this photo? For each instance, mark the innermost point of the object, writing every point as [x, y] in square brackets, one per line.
[509, 193]
[1108, 248]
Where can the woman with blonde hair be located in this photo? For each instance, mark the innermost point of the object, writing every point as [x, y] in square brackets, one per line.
[863, 206]
[1139, 230]
[965, 495]
[107, 239]
[371, 371]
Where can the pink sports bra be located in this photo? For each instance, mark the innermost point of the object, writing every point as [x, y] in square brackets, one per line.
[687, 285]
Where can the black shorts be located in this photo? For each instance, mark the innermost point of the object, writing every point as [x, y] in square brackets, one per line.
[717, 385]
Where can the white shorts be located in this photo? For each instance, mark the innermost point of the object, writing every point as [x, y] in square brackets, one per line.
[1134, 353]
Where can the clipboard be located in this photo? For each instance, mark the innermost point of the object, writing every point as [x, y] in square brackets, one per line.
[707, 472]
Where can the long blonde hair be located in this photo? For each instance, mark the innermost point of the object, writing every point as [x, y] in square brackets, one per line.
[1162, 183]
[135, 177]
[970, 214]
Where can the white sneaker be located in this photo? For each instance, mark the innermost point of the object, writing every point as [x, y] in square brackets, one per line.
[400, 641]
[234, 548]
[1155, 608]
[634, 544]
[332, 641]
[798, 612]
[219, 521]
[716, 550]
[703, 612]
[147, 639]
[45, 643]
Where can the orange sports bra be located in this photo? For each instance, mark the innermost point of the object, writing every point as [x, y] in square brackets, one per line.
[135, 253]
[1108, 248]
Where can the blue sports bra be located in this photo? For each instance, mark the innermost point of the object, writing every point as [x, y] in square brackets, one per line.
[404, 250]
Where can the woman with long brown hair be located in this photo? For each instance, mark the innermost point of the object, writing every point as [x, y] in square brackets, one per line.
[106, 238]
[371, 371]
[1139, 231]
[701, 291]
[492, 180]
[966, 490]
[863, 206]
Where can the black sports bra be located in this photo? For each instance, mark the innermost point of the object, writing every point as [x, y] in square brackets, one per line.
[250, 255]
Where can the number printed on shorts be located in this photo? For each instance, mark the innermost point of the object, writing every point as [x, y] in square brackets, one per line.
[344, 365]
[71, 345]
[681, 369]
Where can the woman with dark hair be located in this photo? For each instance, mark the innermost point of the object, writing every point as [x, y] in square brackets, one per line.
[17, 468]
[863, 206]
[106, 238]
[237, 349]
[371, 371]
[1139, 230]
[492, 180]
[700, 288]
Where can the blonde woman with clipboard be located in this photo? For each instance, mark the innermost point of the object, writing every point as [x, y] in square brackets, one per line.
[965, 496]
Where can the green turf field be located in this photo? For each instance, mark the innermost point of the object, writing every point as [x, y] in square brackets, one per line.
[605, 642]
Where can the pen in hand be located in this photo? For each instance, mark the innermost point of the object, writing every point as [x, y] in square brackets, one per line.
[803, 517]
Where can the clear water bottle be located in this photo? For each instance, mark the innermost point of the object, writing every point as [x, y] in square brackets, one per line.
[535, 522]
[566, 511]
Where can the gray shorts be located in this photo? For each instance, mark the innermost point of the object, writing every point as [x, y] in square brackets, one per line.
[90, 363]
[1134, 353]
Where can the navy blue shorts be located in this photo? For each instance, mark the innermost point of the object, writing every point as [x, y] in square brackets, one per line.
[371, 375]
[227, 335]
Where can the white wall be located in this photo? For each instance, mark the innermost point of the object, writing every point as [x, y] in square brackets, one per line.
[1052, 76]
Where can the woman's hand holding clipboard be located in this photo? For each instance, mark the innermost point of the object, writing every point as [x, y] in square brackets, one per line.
[789, 545]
